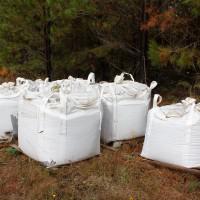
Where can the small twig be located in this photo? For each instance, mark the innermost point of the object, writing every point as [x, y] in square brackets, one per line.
[3, 163]
[194, 171]
[108, 147]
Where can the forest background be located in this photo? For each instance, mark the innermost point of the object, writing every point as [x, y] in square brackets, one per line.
[152, 39]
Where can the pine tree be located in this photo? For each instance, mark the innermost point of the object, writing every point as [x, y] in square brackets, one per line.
[32, 33]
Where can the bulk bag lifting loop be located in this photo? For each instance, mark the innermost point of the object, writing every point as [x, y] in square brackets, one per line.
[153, 85]
[91, 78]
[157, 100]
[120, 78]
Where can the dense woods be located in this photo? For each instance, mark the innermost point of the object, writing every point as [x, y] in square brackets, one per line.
[151, 39]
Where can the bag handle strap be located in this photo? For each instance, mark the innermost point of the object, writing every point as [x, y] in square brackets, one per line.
[40, 113]
[188, 101]
[20, 81]
[189, 104]
[130, 75]
[102, 89]
[91, 78]
[115, 110]
[157, 100]
[46, 80]
[120, 78]
[46, 99]
[153, 85]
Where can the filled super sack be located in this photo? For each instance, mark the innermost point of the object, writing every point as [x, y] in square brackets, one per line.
[125, 106]
[173, 133]
[9, 96]
[61, 128]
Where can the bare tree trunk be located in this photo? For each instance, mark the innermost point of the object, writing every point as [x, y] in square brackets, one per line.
[47, 41]
[143, 45]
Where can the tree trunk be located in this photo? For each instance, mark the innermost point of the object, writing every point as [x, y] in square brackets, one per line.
[47, 41]
[143, 45]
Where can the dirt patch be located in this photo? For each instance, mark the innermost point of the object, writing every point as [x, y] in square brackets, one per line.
[113, 175]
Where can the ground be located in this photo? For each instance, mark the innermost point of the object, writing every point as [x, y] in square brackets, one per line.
[114, 175]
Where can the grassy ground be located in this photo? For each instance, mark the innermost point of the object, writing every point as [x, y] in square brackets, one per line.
[120, 175]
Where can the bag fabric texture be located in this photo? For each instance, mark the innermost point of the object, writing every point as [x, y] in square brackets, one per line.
[62, 127]
[125, 105]
[9, 96]
[173, 133]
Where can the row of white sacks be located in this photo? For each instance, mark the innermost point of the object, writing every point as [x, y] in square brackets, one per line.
[62, 121]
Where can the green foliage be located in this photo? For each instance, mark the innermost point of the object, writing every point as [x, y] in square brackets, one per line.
[177, 47]
[153, 53]
[22, 31]
[12, 151]
[76, 7]
[185, 59]
[78, 59]
[101, 36]
[193, 186]
[194, 5]
[184, 84]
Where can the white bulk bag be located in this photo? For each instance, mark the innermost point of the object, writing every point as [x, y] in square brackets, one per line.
[60, 129]
[125, 105]
[9, 95]
[173, 133]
